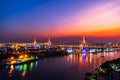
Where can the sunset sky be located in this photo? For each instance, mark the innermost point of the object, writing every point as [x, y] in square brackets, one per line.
[28, 19]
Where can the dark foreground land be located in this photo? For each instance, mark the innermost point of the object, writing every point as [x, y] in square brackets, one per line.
[110, 70]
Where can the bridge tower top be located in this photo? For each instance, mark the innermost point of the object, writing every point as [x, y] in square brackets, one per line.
[35, 41]
[84, 41]
[49, 41]
[35, 44]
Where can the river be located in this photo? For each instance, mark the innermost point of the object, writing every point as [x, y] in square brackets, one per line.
[70, 67]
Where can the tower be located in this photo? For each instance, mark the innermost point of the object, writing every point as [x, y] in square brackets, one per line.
[35, 44]
[84, 41]
[49, 42]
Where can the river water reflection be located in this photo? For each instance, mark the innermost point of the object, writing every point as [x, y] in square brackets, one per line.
[71, 67]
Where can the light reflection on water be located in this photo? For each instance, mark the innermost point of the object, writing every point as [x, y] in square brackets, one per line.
[88, 59]
[70, 67]
[10, 73]
[21, 68]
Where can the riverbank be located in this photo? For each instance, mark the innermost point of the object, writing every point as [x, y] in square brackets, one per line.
[110, 70]
[39, 55]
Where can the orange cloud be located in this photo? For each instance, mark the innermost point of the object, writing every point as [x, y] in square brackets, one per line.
[105, 33]
[98, 20]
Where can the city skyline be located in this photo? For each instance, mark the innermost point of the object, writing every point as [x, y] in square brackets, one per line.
[22, 21]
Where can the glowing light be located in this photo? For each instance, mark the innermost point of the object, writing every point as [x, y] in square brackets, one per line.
[31, 65]
[92, 50]
[69, 50]
[84, 51]
[24, 70]
[12, 58]
[12, 62]
[11, 70]
[26, 56]
[80, 58]
[25, 67]
[36, 63]
[21, 57]
[35, 44]
[84, 56]
[23, 74]
[18, 67]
